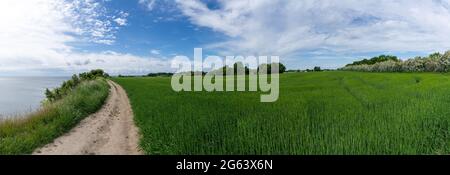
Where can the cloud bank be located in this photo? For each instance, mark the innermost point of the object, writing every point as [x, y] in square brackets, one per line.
[322, 28]
[40, 34]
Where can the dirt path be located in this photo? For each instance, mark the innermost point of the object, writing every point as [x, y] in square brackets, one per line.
[109, 131]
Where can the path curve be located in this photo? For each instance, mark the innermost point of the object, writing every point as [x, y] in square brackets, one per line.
[110, 131]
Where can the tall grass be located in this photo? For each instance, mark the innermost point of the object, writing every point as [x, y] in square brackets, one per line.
[24, 135]
[317, 113]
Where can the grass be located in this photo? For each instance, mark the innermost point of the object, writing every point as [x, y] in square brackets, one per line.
[317, 113]
[23, 136]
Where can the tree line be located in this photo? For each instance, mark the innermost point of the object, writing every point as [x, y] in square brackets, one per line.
[435, 62]
[226, 70]
[239, 68]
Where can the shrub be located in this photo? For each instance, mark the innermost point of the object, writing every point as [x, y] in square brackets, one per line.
[69, 85]
[374, 60]
[435, 62]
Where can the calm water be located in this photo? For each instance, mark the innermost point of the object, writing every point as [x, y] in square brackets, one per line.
[21, 95]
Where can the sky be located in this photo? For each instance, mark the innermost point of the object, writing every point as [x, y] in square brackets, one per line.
[62, 37]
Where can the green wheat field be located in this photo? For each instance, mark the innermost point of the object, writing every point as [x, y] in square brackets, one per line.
[317, 113]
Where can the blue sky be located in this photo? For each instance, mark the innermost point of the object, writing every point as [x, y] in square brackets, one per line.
[162, 30]
[48, 37]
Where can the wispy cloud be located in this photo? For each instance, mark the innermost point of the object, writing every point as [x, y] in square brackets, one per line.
[117, 63]
[121, 20]
[112, 62]
[155, 52]
[149, 4]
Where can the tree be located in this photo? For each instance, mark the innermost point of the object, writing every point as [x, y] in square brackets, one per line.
[75, 80]
[317, 69]
[282, 68]
[264, 69]
[435, 62]
[93, 74]
[239, 66]
[374, 60]
[278, 67]
[49, 94]
[267, 68]
[435, 56]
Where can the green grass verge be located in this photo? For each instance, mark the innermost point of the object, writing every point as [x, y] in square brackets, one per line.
[317, 113]
[23, 136]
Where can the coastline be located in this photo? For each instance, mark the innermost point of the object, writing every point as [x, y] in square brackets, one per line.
[22, 135]
[109, 131]
[21, 96]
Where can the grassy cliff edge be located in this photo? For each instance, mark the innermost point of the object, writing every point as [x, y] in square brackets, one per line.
[23, 136]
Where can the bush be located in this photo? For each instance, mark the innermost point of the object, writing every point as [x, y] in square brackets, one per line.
[435, 62]
[374, 60]
[69, 85]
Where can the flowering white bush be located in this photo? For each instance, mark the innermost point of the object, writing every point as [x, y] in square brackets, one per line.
[433, 63]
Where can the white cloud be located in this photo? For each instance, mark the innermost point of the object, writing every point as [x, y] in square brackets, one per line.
[121, 21]
[155, 52]
[38, 35]
[110, 61]
[149, 4]
[291, 27]
[89, 18]
[117, 63]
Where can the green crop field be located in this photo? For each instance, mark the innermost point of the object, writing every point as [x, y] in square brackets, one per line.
[317, 113]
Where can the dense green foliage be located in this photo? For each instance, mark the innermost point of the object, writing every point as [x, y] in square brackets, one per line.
[317, 113]
[159, 74]
[238, 66]
[69, 85]
[433, 63]
[317, 69]
[23, 136]
[278, 68]
[374, 60]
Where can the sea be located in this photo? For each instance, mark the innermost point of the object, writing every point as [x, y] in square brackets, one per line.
[22, 95]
